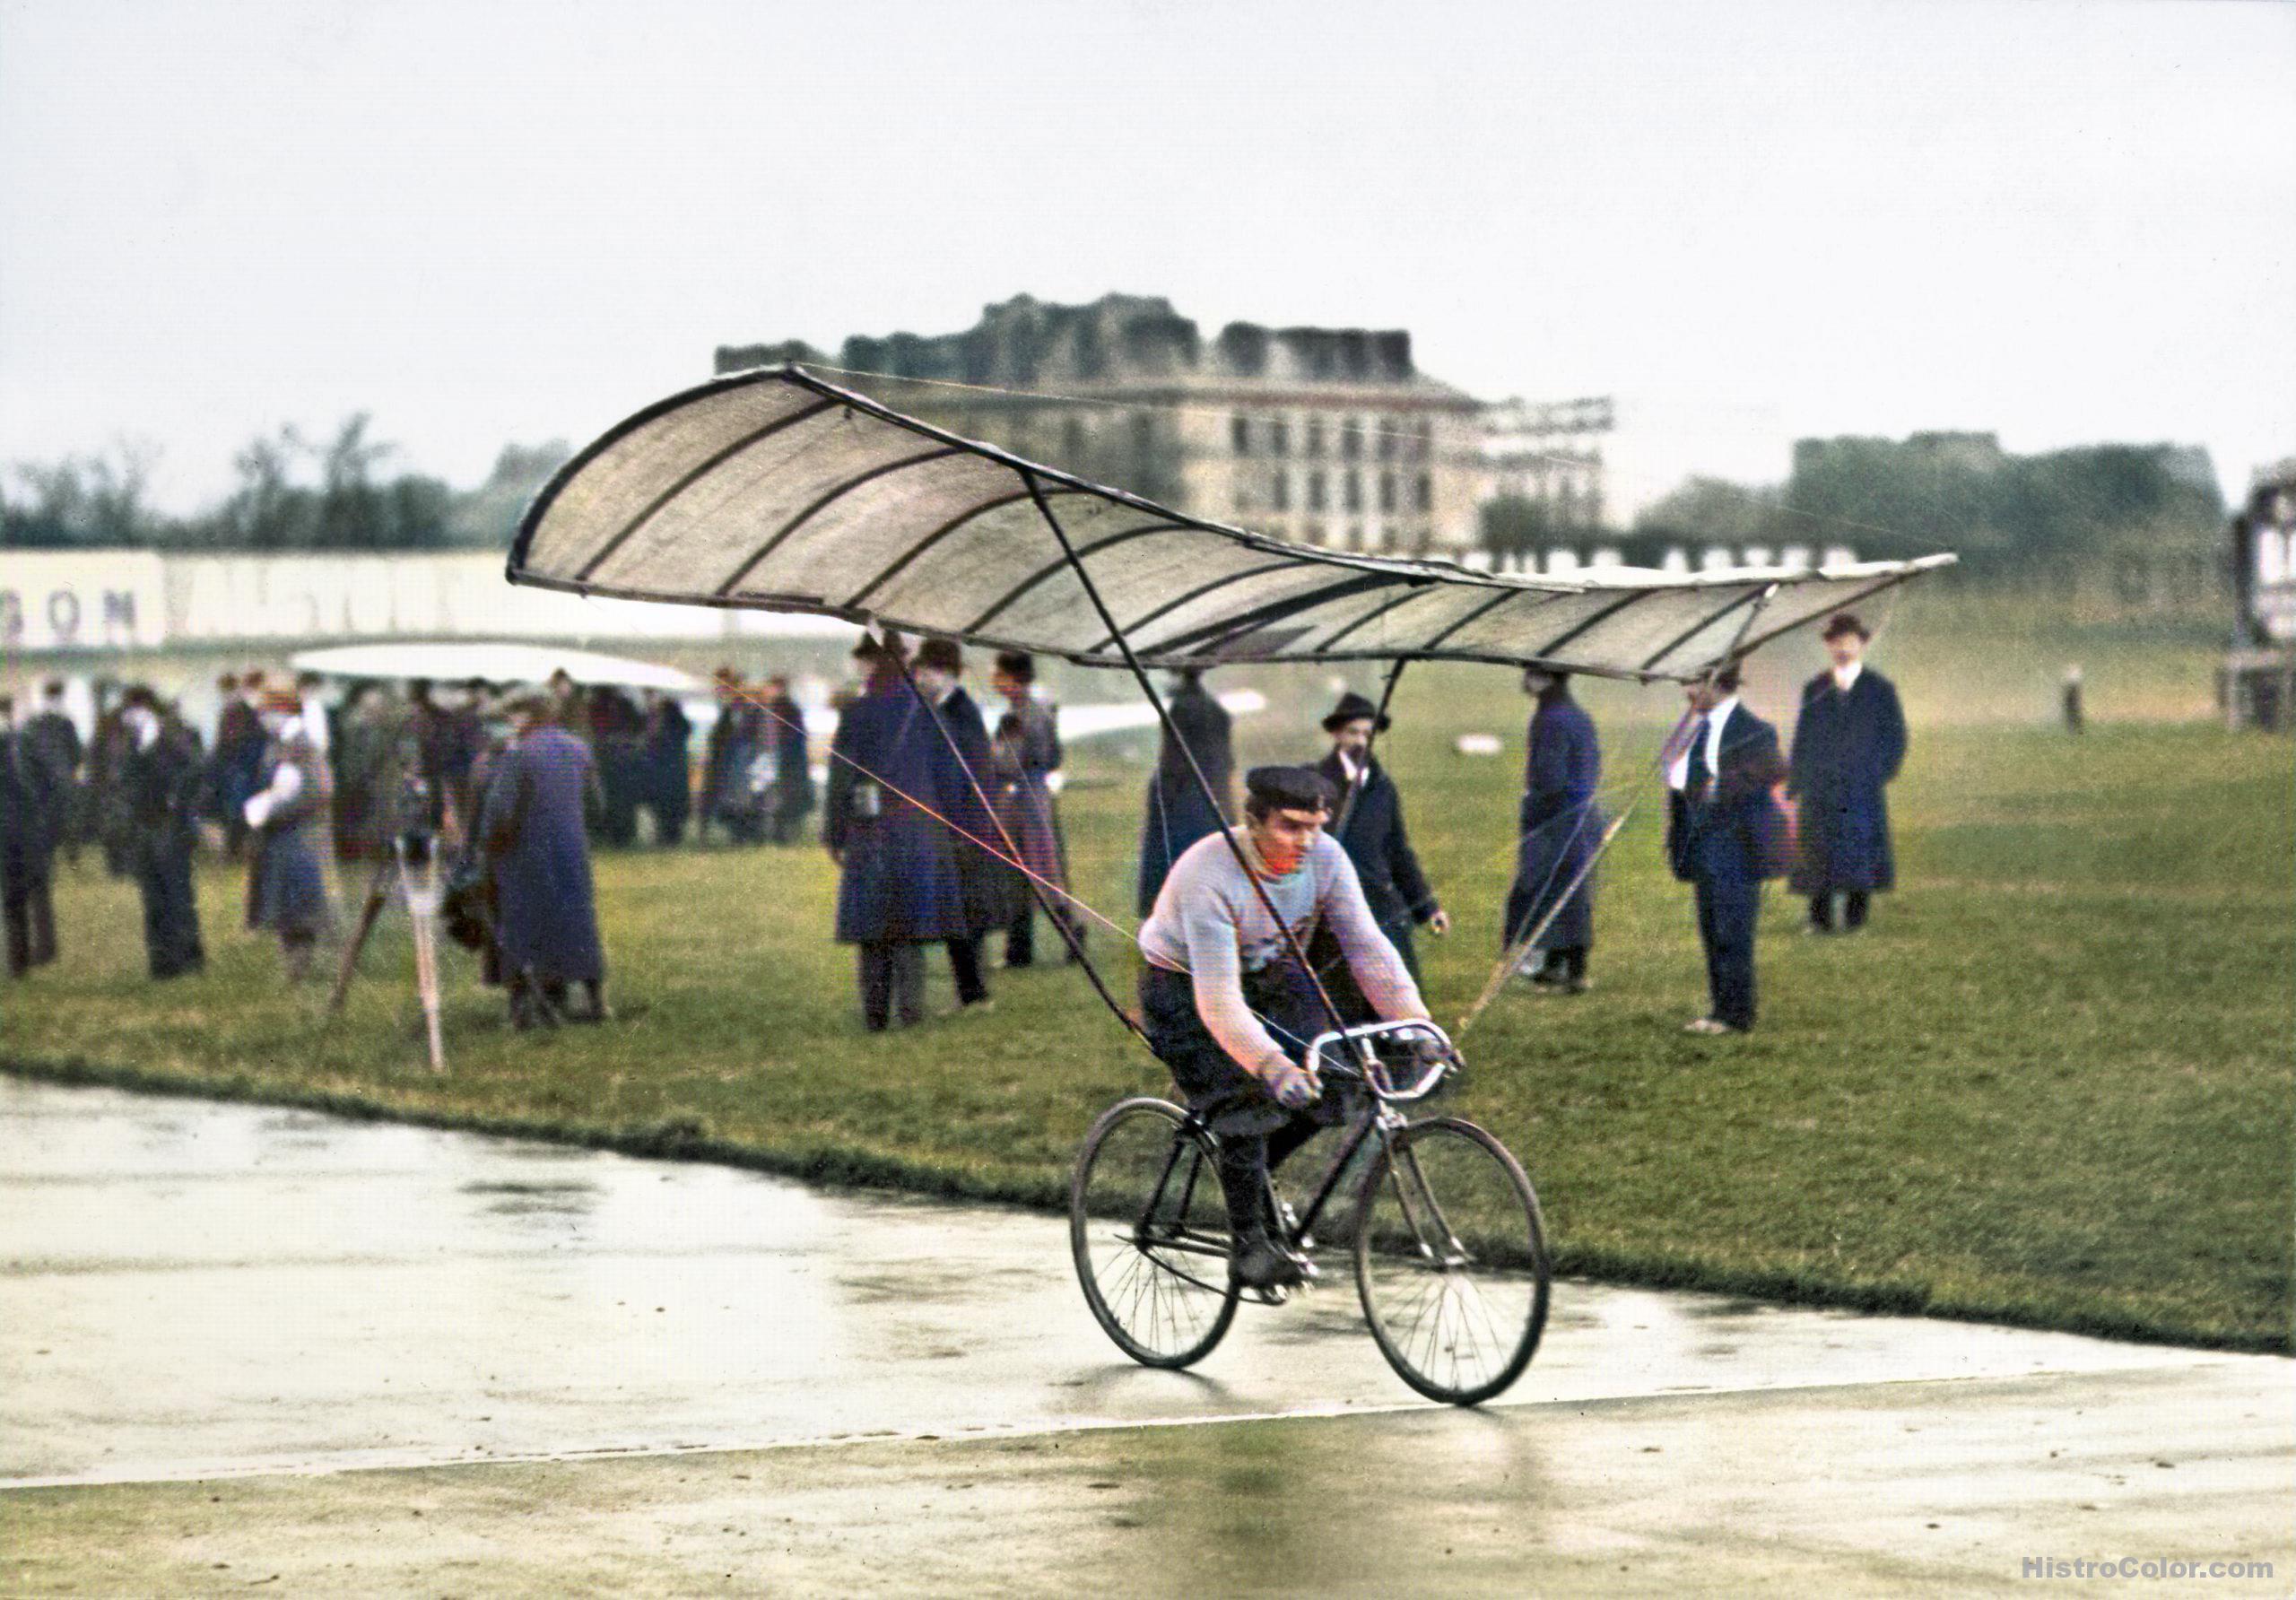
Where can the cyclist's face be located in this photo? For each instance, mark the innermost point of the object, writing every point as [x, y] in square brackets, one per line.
[1283, 836]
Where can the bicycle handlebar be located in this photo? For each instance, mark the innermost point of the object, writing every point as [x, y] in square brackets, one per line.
[1372, 1070]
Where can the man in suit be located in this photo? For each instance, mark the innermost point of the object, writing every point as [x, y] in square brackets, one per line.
[1178, 812]
[1369, 827]
[28, 832]
[1848, 743]
[163, 775]
[1724, 836]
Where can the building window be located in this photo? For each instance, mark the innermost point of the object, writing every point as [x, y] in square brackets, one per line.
[1279, 487]
[1239, 433]
[1385, 429]
[1072, 442]
[1279, 436]
[1315, 491]
[1315, 436]
[1355, 536]
[1350, 438]
[1422, 492]
[1387, 491]
[1422, 437]
[1354, 491]
[1313, 532]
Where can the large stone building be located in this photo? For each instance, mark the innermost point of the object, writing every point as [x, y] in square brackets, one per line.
[1549, 454]
[1327, 435]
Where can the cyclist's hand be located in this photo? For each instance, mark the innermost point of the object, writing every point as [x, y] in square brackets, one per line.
[1427, 1053]
[1293, 1085]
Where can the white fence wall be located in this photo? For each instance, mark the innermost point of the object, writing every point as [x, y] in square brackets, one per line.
[123, 599]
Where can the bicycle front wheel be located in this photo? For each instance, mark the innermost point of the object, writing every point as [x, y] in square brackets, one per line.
[1149, 1230]
[1451, 1261]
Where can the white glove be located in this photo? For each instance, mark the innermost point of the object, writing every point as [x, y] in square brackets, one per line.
[1293, 1085]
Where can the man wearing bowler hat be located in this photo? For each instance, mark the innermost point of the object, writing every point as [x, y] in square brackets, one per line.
[1369, 827]
[1848, 743]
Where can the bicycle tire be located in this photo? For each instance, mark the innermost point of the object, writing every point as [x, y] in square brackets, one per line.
[1455, 1289]
[1148, 1230]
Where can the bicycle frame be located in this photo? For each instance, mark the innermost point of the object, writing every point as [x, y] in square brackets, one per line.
[1382, 1118]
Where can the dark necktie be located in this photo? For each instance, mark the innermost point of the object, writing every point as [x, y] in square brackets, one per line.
[1701, 777]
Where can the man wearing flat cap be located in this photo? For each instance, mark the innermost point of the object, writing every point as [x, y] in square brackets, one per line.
[1229, 1010]
[1848, 743]
[1369, 827]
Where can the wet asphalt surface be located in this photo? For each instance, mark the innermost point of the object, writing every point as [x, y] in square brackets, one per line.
[196, 1291]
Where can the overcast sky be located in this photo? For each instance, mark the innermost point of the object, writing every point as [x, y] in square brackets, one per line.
[486, 221]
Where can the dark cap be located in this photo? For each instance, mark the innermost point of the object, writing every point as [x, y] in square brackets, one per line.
[1288, 788]
[1843, 621]
[941, 654]
[1354, 707]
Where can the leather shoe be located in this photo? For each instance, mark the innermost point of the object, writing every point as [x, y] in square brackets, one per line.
[1259, 1263]
[1709, 1025]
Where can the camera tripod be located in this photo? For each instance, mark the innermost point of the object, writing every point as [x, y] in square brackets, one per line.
[413, 869]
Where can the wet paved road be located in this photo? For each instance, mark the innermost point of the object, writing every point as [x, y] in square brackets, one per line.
[195, 1290]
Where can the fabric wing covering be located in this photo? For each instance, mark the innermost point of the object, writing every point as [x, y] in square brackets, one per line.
[773, 490]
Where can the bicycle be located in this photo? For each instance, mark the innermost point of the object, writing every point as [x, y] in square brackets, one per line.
[1450, 1253]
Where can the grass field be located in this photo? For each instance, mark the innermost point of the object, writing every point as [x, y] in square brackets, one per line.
[2052, 1085]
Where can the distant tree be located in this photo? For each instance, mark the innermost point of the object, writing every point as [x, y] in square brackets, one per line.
[83, 501]
[1714, 510]
[487, 515]
[352, 513]
[1512, 526]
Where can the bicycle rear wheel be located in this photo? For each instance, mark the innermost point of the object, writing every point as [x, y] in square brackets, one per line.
[1149, 1231]
[1451, 1261]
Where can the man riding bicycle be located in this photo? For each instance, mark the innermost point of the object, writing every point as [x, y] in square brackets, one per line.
[1228, 1006]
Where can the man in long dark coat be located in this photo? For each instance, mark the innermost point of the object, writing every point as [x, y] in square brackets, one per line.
[236, 763]
[162, 777]
[1367, 822]
[1558, 829]
[1847, 745]
[55, 738]
[961, 778]
[897, 890]
[668, 786]
[1724, 837]
[546, 914]
[1179, 814]
[789, 797]
[28, 832]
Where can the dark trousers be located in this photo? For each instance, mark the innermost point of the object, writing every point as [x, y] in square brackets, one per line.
[171, 940]
[1021, 933]
[1728, 908]
[1853, 911]
[29, 909]
[964, 965]
[1563, 963]
[892, 983]
[1255, 1135]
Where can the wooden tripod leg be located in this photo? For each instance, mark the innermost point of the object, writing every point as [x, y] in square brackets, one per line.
[421, 903]
[379, 888]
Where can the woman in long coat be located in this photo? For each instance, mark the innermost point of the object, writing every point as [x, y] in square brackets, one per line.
[289, 820]
[898, 890]
[546, 913]
[1179, 814]
[1559, 828]
[1025, 754]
